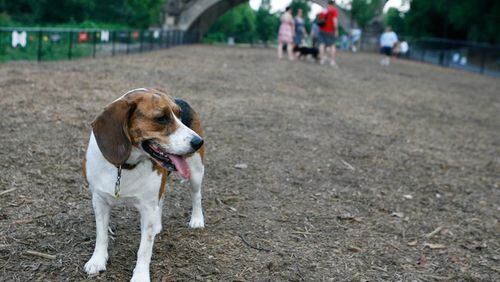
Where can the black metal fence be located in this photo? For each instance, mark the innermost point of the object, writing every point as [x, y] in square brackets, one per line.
[470, 56]
[44, 44]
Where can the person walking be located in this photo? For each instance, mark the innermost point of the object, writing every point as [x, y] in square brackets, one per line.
[388, 40]
[300, 29]
[355, 37]
[285, 34]
[329, 31]
[314, 34]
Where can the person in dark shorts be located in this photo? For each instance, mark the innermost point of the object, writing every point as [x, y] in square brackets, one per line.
[329, 31]
[300, 30]
[388, 39]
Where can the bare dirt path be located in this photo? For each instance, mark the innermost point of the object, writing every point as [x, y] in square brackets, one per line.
[349, 171]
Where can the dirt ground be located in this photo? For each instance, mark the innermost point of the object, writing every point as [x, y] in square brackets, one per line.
[353, 174]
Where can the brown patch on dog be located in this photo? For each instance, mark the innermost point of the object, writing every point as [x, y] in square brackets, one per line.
[164, 177]
[111, 132]
[143, 123]
[84, 168]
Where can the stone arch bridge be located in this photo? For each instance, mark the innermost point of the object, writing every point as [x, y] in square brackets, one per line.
[199, 15]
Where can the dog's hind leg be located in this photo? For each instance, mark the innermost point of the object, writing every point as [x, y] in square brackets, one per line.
[100, 256]
[197, 170]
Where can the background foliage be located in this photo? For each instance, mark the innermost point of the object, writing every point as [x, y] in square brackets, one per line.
[132, 13]
[363, 11]
[245, 25]
[474, 20]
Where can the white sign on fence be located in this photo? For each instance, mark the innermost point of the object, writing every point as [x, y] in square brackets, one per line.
[19, 38]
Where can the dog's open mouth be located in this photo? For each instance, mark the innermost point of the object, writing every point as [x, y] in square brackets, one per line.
[169, 161]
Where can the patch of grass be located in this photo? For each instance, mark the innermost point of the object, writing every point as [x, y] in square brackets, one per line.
[54, 46]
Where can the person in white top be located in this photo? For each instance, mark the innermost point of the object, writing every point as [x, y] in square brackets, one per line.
[387, 41]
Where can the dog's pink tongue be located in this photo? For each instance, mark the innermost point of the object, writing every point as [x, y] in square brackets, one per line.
[181, 166]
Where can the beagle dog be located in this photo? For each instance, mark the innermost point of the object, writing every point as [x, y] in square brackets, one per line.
[136, 142]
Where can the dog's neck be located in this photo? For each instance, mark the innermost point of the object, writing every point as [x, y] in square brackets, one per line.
[136, 156]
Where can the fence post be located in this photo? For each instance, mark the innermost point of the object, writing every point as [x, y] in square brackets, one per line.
[151, 41]
[165, 33]
[128, 42]
[70, 47]
[483, 60]
[39, 53]
[141, 36]
[160, 39]
[113, 38]
[94, 40]
[423, 53]
[168, 38]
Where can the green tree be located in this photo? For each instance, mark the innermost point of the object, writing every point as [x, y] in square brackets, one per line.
[477, 20]
[266, 25]
[134, 13]
[238, 22]
[395, 19]
[363, 11]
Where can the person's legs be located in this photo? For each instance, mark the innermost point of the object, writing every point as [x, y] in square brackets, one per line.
[322, 47]
[322, 53]
[289, 50]
[333, 52]
[385, 59]
[280, 50]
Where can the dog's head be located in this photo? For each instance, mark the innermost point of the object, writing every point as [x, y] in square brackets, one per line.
[148, 120]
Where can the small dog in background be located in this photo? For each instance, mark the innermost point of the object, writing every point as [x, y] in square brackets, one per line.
[303, 52]
[136, 142]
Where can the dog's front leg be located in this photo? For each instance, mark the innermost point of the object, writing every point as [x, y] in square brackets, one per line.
[149, 228]
[197, 170]
[100, 256]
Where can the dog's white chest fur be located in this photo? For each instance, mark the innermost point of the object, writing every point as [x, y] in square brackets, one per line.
[136, 185]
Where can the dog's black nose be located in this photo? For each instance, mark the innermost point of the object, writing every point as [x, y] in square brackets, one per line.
[196, 142]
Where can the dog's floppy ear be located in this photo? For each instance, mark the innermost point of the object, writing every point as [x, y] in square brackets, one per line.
[111, 132]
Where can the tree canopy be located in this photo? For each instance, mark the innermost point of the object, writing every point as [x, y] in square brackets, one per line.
[476, 20]
[245, 25]
[133, 13]
[363, 11]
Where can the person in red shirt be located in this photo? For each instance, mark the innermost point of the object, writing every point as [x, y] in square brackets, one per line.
[329, 31]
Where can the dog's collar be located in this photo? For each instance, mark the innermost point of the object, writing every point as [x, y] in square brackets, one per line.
[128, 166]
[119, 176]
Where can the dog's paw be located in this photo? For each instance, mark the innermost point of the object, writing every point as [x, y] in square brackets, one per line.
[95, 264]
[197, 222]
[140, 276]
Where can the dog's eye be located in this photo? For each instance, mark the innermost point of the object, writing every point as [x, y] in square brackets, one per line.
[162, 119]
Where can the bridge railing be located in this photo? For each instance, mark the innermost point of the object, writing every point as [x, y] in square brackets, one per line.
[46, 44]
